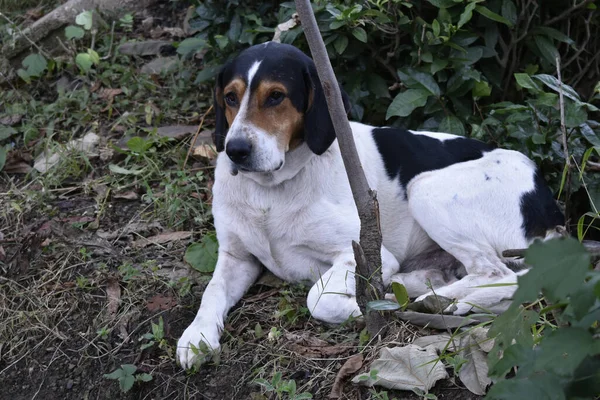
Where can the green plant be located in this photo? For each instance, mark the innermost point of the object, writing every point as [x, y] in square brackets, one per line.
[157, 336]
[281, 388]
[126, 377]
[552, 348]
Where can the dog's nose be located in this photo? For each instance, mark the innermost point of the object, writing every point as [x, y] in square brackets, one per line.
[238, 150]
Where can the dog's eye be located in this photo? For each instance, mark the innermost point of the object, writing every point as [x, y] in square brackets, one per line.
[275, 98]
[231, 99]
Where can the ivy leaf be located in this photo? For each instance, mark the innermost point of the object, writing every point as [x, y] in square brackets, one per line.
[404, 103]
[85, 19]
[126, 383]
[525, 81]
[451, 124]
[35, 64]
[203, 256]
[548, 260]
[144, 377]
[129, 369]
[482, 89]
[116, 374]
[74, 32]
[360, 34]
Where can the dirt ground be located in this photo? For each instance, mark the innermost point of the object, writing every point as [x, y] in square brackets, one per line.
[81, 293]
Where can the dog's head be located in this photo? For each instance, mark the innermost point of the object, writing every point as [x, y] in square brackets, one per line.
[268, 101]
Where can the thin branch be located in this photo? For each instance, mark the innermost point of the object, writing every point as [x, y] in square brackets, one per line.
[364, 197]
[567, 13]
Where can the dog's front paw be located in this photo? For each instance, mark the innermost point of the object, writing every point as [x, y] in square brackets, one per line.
[196, 345]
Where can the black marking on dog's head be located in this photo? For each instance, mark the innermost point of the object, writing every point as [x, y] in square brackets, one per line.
[290, 67]
[539, 209]
[408, 154]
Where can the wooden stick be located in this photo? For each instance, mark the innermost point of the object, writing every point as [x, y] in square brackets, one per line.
[368, 252]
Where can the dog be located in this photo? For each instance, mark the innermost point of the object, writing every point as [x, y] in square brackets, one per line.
[282, 200]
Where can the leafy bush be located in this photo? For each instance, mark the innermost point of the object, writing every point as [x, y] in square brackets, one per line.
[474, 68]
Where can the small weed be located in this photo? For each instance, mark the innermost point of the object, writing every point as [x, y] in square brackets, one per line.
[282, 389]
[128, 272]
[103, 332]
[274, 334]
[127, 377]
[157, 336]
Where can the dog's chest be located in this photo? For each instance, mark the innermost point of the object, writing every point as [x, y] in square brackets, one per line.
[296, 232]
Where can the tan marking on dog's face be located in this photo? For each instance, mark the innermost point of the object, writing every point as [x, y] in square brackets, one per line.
[282, 120]
[237, 87]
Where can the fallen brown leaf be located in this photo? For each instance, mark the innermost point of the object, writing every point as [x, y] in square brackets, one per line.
[11, 119]
[108, 93]
[130, 195]
[205, 151]
[351, 366]
[162, 238]
[310, 346]
[113, 295]
[160, 302]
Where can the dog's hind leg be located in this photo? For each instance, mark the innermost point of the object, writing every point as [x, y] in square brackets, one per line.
[473, 211]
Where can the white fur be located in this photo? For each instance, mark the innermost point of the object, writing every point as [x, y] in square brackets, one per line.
[299, 223]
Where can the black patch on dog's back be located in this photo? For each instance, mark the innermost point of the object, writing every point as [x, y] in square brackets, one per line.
[539, 209]
[408, 154]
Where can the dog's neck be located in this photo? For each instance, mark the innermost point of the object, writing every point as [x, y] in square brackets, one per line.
[295, 161]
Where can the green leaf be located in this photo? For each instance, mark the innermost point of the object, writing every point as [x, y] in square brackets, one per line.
[35, 64]
[552, 33]
[24, 75]
[84, 62]
[382, 305]
[144, 377]
[126, 383]
[575, 114]
[525, 81]
[94, 57]
[451, 124]
[377, 86]
[203, 256]
[548, 260]
[222, 41]
[466, 15]
[561, 351]
[509, 11]
[437, 65]
[85, 19]
[129, 369]
[360, 34]
[235, 29]
[340, 44]
[546, 48]
[191, 46]
[444, 3]
[426, 81]
[589, 134]
[3, 153]
[404, 103]
[486, 12]
[74, 32]
[6, 132]
[544, 386]
[554, 84]
[207, 73]
[482, 89]
[139, 145]
[116, 374]
[435, 27]
[401, 294]
[123, 171]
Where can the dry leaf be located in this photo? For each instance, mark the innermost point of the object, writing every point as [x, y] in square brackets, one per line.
[162, 238]
[351, 366]
[310, 346]
[160, 302]
[11, 119]
[205, 151]
[130, 195]
[108, 93]
[474, 373]
[439, 342]
[176, 131]
[405, 368]
[113, 295]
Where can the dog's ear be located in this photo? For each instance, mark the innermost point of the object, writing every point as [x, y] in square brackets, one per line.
[318, 128]
[221, 127]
